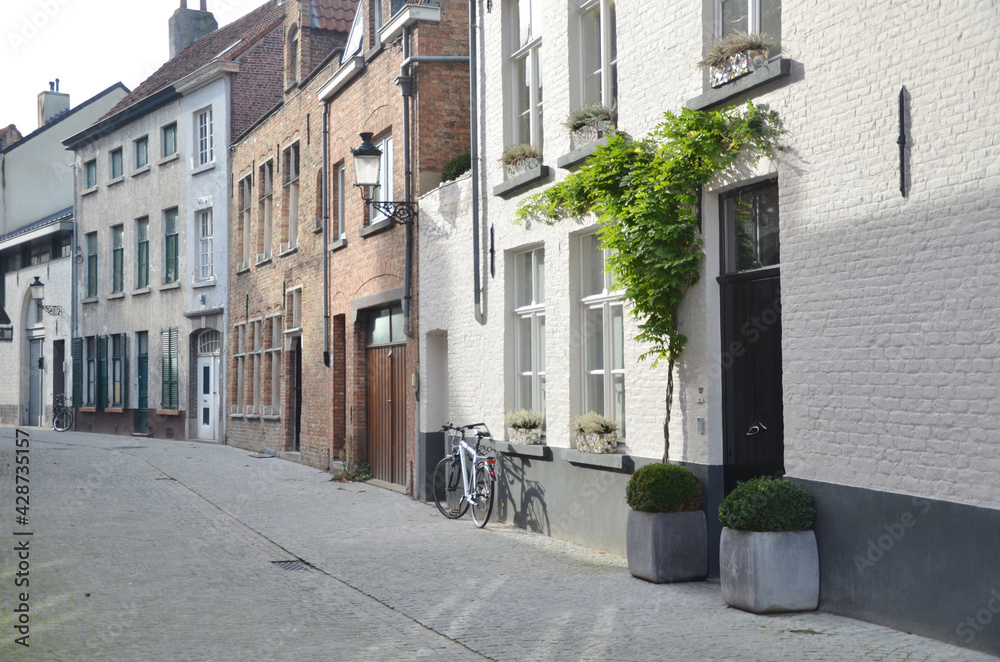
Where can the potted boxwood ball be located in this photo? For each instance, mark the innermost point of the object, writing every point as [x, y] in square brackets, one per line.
[767, 554]
[666, 536]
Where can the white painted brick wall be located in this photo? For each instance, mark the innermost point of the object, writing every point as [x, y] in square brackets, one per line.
[889, 317]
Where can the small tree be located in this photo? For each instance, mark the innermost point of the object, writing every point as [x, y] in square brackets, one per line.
[645, 195]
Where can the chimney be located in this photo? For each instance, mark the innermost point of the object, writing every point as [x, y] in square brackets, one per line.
[187, 26]
[51, 104]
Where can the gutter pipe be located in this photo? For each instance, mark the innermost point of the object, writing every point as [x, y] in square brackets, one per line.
[326, 222]
[474, 158]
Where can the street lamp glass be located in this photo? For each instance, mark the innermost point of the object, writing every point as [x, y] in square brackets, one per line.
[37, 289]
[367, 159]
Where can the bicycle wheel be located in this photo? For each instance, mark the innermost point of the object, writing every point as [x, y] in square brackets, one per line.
[447, 490]
[62, 421]
[482, 504]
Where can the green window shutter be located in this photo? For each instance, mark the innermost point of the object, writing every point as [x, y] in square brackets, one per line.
[165, 369]
[77, 352]
[125, 370]
[169, 393]
[102, 371]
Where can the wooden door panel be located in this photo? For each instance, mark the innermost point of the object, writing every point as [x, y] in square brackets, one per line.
[386, 405]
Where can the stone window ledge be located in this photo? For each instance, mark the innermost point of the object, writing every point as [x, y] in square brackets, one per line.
[775, 70]
[525, 179]
[578, 156]
[620, 461]
[540, 451]
[376, 228]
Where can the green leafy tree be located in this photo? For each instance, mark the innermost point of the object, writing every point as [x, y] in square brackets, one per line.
[645, 196]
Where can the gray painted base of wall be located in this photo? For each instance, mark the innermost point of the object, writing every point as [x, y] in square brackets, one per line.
[10, 414]
[917, 565]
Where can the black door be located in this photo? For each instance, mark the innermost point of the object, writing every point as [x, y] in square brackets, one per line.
[753, 423]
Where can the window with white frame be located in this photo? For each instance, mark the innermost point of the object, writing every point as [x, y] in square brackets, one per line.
[602, 320]
[256, 334]
[529, 329]
[384, 190]
[246, 196]
[265, 209]
[524, 72]
[753, 16]
[239, 357]
[293, 306]
[598, 53]
[339, 229]
[273, 355]
[206, 148]
[354, 37]
[205, 231]
[291, 208]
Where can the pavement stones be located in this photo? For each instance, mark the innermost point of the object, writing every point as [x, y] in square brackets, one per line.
[148, 549]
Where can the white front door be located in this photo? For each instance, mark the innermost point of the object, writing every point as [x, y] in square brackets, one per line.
[208, 396]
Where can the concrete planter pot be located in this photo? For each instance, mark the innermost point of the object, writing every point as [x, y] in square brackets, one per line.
[526, 436]
[520, 166]
[769, 572]
[589, 133]
[667, 547]
[737, 66]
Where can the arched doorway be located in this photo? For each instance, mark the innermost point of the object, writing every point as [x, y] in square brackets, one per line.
[209, 352]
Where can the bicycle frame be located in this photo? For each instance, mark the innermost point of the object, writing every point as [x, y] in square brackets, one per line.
[469, 458]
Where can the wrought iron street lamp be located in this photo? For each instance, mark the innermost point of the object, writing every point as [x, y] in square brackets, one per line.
[38, 293]
[367, 162]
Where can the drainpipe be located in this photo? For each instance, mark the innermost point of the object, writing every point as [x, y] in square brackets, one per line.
[326, 243]
[477, 309]
[407, 89]
[74, 332]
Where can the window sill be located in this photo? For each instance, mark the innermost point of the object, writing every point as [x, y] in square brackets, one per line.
[203, 168]
[261, 261]
[115, 181]
[271, 417]
[114, 410]
[578, 156]
[88, 191]
[776, 69]
[88, 409]
[290, 85]
[176, 285]
[170, 412]
[620, 460]
[142, 171]
[237, 416]
[376, 228]
[169, 159]
[116, 295]
[242, 268]
[208, 282]
[337, 245]
[90, 300]
[297, 331]
[292, 250]
[540, 451]
[525, 179]
[141, 291]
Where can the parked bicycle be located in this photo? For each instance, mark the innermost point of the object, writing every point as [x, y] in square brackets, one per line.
[466, 476]
[62, 416]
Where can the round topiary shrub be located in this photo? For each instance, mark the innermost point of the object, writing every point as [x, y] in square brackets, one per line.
[663, 488]
[768, 504]
[456, 167]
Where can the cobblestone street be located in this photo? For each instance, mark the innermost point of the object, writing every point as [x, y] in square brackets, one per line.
[146, 549]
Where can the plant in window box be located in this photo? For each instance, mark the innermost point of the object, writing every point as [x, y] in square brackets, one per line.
[736, 54]
[525, 426]
[589, 123]
[767, 554]
[520, 158]
[666, 532]
[595, 433]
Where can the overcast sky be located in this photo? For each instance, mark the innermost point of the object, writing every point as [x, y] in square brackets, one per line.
[88, 45]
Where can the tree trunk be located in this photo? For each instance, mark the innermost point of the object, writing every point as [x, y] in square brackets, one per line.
[670, 403]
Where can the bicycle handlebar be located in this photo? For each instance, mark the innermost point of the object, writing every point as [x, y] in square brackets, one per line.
[461, 428]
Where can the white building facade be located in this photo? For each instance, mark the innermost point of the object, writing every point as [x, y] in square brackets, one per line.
[853, 349]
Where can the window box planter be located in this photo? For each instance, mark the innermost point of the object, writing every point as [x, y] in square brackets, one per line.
[737, 66]
[524, 436]
[590, 133]
[766, 572]
[521, 166]
[593, 442]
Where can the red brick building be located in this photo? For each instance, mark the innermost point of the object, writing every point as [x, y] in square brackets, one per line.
[323, 354]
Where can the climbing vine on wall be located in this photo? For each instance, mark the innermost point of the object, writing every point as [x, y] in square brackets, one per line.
[645, 195]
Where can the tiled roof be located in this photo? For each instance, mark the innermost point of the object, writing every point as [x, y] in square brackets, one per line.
[57, 217]
[334, 15]
[217, 46]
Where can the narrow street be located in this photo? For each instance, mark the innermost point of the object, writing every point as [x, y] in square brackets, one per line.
[144, 549]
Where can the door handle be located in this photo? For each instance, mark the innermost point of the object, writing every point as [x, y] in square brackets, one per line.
[755, 428]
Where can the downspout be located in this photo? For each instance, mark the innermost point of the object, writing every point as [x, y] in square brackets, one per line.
[474, 158]
[407, 89]
[326, 242]
[74, 331]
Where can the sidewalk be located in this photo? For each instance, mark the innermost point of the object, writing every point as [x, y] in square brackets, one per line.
[501, 593]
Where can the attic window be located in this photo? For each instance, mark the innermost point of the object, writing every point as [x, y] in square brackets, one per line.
[353, 39]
